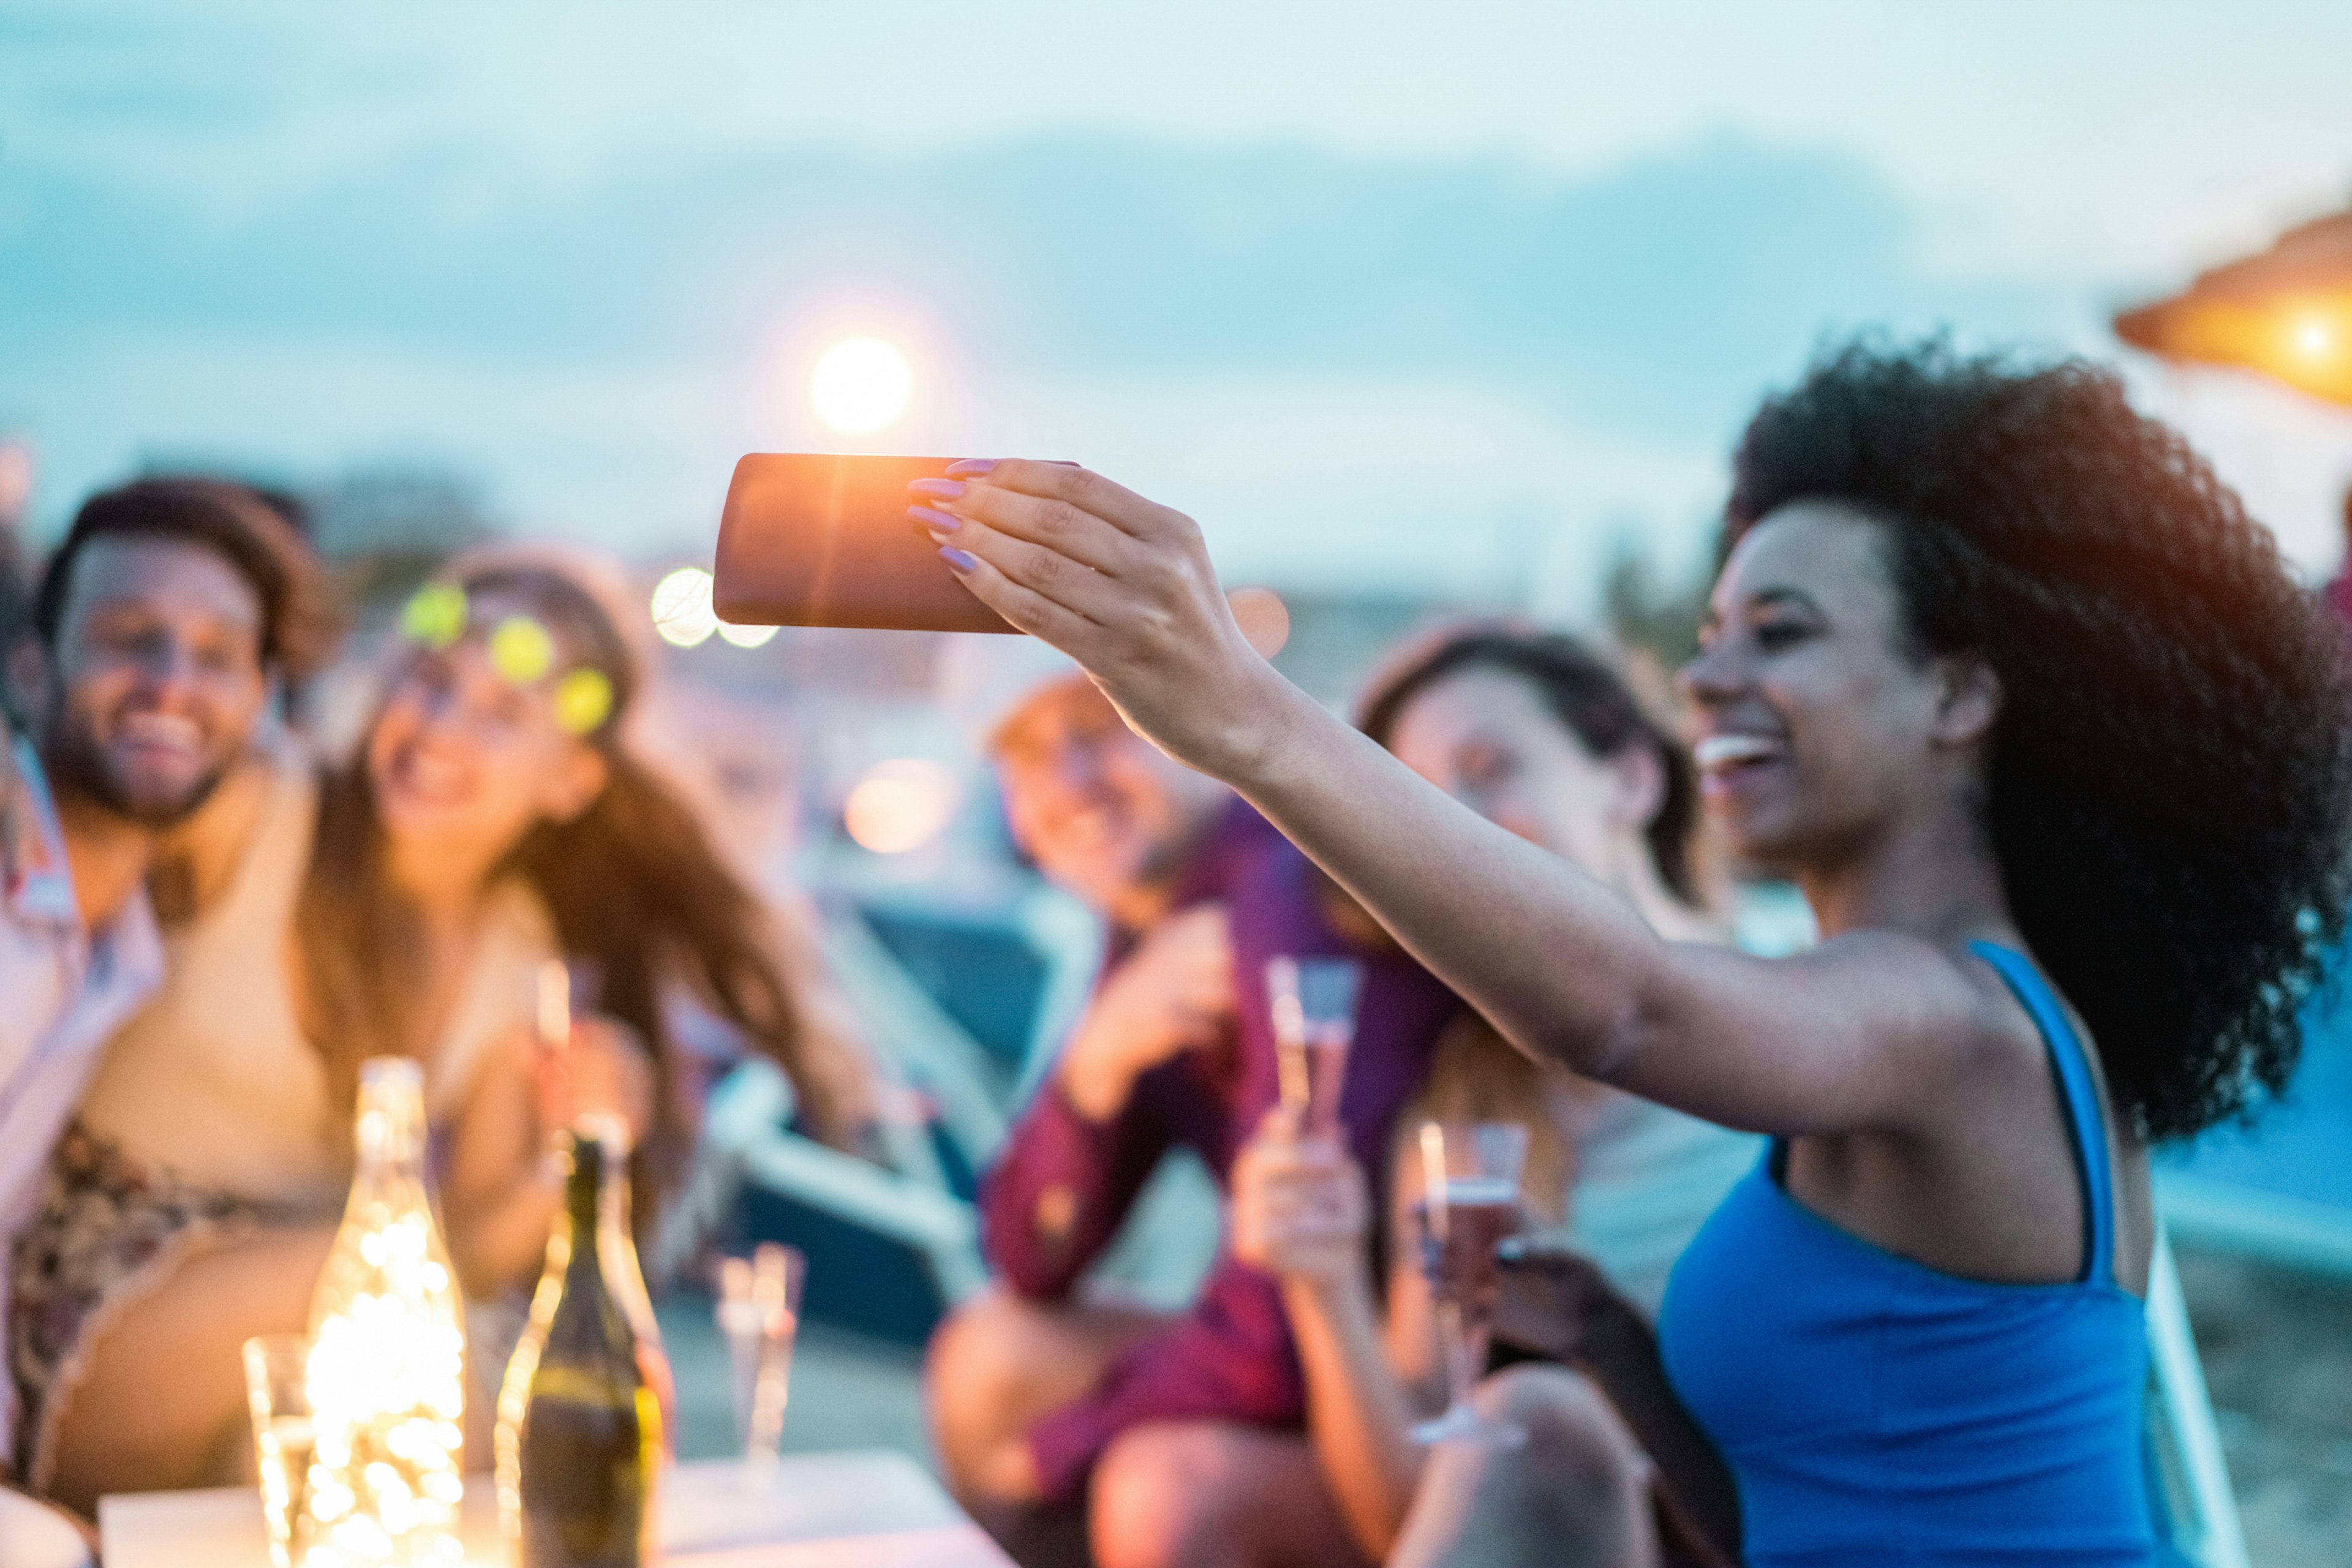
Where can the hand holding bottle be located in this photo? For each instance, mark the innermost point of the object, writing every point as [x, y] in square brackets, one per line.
[602, 1069]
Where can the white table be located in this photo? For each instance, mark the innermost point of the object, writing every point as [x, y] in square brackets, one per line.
[865, 1510]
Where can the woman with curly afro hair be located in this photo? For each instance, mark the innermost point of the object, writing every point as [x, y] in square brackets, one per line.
[2007, 681]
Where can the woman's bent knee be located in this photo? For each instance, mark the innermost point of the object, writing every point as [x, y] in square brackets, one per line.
[1565, 1416]
[1574, 1491]
[1164, 1495]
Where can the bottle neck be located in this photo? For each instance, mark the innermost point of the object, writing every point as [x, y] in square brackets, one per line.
[583, 1201]
[391, 1132]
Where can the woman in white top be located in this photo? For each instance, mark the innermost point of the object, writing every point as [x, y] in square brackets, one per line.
[403, 904]
[1537, 734]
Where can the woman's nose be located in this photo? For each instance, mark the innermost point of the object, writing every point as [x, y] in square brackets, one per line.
[1711, 674]
[441, 714]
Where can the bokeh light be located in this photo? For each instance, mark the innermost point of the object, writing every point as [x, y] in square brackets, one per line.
[2315, 337]
[900, 806]
[860, 384]
[1264, 618]
[16, 478]
[748, 636]
[522, 649]
[681, 608]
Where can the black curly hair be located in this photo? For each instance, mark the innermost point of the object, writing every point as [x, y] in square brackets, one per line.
[2170, 778]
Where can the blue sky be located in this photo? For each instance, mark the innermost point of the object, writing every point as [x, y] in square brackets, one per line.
[1390, 297]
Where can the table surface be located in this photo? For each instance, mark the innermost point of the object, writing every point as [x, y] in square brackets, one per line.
[861, 1509]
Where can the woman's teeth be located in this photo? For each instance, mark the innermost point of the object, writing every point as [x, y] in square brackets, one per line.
[1715, 753]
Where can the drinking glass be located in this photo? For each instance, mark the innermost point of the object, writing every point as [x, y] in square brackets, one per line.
[760, 1314]
[278, 1392]
[1314, 1004]
[1470, 1201]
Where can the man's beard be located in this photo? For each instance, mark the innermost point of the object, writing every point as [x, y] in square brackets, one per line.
[76, 764]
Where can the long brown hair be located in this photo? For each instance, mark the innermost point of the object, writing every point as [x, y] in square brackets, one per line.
[636, 889]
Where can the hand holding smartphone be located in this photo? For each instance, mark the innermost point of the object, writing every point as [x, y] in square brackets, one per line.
[822, 540]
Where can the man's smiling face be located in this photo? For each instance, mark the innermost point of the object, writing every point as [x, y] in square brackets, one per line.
[158, 674]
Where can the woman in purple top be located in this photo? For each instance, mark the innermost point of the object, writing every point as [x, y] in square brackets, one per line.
[2009, 683]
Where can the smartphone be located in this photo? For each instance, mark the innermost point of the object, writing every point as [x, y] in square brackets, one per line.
[819, 540]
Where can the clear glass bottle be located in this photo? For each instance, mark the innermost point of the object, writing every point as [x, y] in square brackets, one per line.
[584, 1415]
[387, 1363]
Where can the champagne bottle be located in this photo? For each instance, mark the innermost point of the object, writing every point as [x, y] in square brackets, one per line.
[386, 1366]
[582, 1427]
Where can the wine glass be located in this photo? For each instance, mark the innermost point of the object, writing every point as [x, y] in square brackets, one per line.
[759, 1313]
[1470, 1201]
[1313, 1001]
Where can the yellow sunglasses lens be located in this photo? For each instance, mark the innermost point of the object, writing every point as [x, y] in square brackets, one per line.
[434, 615]
[522, 649]
[583, 700]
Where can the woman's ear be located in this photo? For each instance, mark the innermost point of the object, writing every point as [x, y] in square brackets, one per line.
[1970, 702]
[1637, 788]
[581, 778]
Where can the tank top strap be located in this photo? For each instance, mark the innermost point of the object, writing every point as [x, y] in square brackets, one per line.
[2081, 1094]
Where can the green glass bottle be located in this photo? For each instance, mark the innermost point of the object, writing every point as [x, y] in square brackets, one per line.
[581, 1418]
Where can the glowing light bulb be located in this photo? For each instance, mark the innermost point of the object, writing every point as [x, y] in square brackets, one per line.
[748, 636]
[681, 608]
[2315, 338]
[860, 384]
[900, 806]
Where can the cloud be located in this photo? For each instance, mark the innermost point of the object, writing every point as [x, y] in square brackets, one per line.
[1327, 354]
[1658, 293]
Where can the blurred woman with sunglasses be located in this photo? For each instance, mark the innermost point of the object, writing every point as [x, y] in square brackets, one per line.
[404, 903]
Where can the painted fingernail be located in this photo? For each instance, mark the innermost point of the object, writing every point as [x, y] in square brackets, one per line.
[971, 468]
[962, 560]
[932, 517]
[946, 489]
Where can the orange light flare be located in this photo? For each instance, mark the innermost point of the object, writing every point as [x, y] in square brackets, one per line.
[900, 806]
[2309, 345]
[2315, 337]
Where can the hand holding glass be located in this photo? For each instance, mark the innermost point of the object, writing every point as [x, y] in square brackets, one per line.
[1470, 1201]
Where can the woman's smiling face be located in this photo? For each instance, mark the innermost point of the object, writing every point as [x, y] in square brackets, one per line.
[463, 758]
[1817, 723]
[1487, 737]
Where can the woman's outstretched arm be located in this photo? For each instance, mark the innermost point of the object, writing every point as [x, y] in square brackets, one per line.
[1864, 1033]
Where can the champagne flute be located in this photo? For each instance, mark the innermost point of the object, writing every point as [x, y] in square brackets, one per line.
[1470, 1201]
[759, 1313]
[277, 1394]
[1313, 1001]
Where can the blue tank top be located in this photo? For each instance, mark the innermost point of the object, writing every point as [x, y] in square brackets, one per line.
[1874, 1410]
